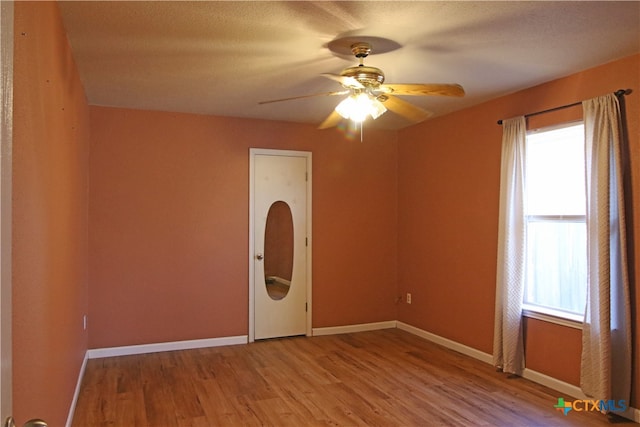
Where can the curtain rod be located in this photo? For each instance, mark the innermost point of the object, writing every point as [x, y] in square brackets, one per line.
[618, 93]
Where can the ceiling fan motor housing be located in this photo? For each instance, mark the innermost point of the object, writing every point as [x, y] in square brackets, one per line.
[367, 76]
[370, 77]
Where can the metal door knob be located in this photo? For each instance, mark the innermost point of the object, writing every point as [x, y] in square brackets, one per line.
[10, 422]
[259, 257]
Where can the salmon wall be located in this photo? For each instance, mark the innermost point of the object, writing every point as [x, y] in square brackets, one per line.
[168, 224]
[448, 176]
[50, 199]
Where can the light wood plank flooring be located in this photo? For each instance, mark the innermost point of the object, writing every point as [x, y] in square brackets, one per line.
[379, 378]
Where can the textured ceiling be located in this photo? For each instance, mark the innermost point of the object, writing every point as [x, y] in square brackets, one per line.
[223, 57]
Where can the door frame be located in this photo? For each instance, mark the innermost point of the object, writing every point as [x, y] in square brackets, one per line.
[253, 152]
[6, 143]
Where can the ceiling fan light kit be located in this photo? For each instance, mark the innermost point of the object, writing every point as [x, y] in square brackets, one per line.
[368, 96]
[359, 106]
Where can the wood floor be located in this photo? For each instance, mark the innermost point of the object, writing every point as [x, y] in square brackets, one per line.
[379, 378]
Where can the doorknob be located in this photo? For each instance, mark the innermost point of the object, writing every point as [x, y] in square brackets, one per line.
[259, 257]
[10, 422]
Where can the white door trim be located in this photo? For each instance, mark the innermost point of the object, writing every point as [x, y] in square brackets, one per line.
[6, 143]
[253, 152]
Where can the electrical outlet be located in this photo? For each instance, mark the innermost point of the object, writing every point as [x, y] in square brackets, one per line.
[408, 298]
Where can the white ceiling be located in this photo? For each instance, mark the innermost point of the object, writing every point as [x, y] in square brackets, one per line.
[223, 57]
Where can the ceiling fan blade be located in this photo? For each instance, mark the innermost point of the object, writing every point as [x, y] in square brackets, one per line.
[340, 92]
[424, 89]
[403, 108]
[344, 80]
[332, 120]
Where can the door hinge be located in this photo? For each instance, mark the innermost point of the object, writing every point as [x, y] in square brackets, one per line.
[306, 241]
[306, 176]
[306, 307]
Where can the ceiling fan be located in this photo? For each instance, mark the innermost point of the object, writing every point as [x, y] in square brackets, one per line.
[368, 96]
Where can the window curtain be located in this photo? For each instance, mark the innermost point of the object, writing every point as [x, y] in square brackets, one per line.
[508, 343]
[606, 336]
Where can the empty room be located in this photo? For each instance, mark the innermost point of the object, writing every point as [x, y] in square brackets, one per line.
[375, 213]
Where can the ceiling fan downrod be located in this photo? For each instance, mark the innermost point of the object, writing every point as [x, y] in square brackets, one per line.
[361, 50]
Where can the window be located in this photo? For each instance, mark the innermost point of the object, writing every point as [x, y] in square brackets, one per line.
[555, 206]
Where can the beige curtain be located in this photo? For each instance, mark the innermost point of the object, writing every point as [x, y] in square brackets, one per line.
[606, 336]
[508, 346]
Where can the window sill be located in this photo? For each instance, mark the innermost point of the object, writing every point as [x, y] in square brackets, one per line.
[553, 316]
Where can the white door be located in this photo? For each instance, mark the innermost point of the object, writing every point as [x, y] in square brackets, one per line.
[281, 243]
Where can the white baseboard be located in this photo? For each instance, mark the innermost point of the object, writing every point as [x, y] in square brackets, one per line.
[76, 394]
[452, 345]
[563, 387]
[97, 353]
[333, 330]
[632, 414]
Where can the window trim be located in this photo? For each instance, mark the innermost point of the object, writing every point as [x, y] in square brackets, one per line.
[556, 218]
[547, 314]
[556, 126]
[550, 315]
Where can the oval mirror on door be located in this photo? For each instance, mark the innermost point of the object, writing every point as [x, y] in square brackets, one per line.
[278, 250]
